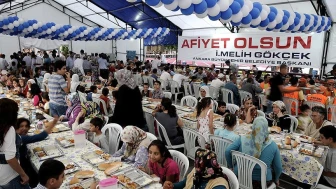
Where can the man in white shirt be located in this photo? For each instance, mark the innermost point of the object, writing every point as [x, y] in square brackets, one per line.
[156, 63]
[3, 62]
[179, 78]
[218, 82]
[13, 63]
[163, 58]
[103, 66]
[28, 61]
[70, 61]
[165, 76]
[79, 64]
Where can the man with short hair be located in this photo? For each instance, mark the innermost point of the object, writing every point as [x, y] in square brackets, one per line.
[265, 84]
[78, 63]
[58, 88]
[179, 78]
[232, 67]
[332, 73]
[200, 75]
[232, 85]
[156, 63]
[51, 174]
[154, 74]
[103, 66]
[3, 62]
[165, 76]
[86, 65]
[218, 82]
[70, 61]
[137, 62]
[250, 87]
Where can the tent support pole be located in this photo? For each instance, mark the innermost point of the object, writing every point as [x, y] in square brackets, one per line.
[325, 53]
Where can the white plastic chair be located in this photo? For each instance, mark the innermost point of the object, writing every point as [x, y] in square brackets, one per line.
[138, 79]
[114, 135]
[244, 95]
[261, 113]
[44, 87]
[232, 108]
[233, 181]
[82, 97]
[187, 89]
[190, 137]
[150, 122]
[196, 90]
[106, 119]
[151, 82]
[182, 162]
[289, 102]
[167, 95]
[312, 104]
[320, 186]
[215, 105]
[145, 79]
[151, 136]
[101, 101]
[174, 89]
[332, 112]
[162, 130]
[246, 164]
[219, 146]
[164, 84]
[189, 101]
[226, 93]
[214, 92]
[294, 124]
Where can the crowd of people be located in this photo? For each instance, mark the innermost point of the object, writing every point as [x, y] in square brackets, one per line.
[65, 88]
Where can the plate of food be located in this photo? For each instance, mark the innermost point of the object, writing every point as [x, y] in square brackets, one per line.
[274, 129]
[96, 157]
[191, 117]
[311, 150]
[133, 178]
[150, 106]
[65, 141]
[47, 152]
[217, 117]
[306, 139]
[60, 128]
[70, 166]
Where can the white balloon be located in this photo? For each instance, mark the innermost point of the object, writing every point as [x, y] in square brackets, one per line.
[53, 28]
[81, 35]
[214, 11]
[225, 21]
[21, 20]
[249, 4]
[1, 17]
[197, 1]
[172, 5]
[244, 25]
[262, 28]
[276, 30]
[272, 25]
[290, 21]
[39, 24]
[158, 5]
[126, 34]
[278, 18]
[245, 10]
[266, 8]
[159, 30]
[48, 31]
[230, 1]
[263, 14]
[296, 28]
[66, 34]
[237, 17]
[203, 15]
[10, 26]
[140, 30]
[16, 23]
[184, 4]
[256, 21]
[223, 5]
[285, 27]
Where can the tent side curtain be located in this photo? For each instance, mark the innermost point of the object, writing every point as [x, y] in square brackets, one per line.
[170, 39]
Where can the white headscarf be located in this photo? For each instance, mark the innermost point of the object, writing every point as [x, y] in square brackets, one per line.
[74, 83]
[46, 77]
[207, 93]
[32, 81]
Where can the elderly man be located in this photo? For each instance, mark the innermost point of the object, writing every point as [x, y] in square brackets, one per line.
[179, 78]
[219, 81]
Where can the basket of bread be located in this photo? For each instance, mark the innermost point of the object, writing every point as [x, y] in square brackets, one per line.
[287, 143]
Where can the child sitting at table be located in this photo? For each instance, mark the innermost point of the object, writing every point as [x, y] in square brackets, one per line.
[93, 93]
[51, 174]
[16, 87]
[221, 110]
[304, 118]
[328, 138]
[99, 138]
[230, 121]
[45, 104]
[105, 98]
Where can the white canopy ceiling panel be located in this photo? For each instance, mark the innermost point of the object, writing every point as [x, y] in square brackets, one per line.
[104, 22]
[65, 2]
[80, 9]
[331, 7]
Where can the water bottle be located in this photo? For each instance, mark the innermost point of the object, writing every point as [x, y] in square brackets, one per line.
[33, 117]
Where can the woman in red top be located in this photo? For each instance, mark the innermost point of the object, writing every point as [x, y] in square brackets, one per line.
[161, 163]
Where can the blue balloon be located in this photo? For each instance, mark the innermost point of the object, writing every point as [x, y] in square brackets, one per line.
[252, 26]
[166, 2]
[269, 29]
[200, 8]
[322, 22]
[176, 9]
[298, 15]
[39, 30]
[271, 16]
[1, 24]
[25, 24]
[273, 9]
[257, 5]
[30, 22]
[5, 21]
[20, 28]
[226, 14]
[255, 13]
[264, 23]
[311, 28]
[235, 7]
[235, 23]
[296, 21]
[188, 11]
[315, 23]
[306, 22]
[286, 13]
[215, 18]
[49, 25]
[284, 20]
[152, 2]
[302, 28]
[279, 26]
[247, 19]
[211, 3]
[11, 19]
[44, 27]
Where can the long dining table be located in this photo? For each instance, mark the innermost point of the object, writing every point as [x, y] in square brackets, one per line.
[301, 167]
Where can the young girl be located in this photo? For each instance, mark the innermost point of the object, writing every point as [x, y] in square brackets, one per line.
[205, 118]
[248, 111]
[36, 94]
[16, 88]
[106, 99]
[230, 121]
[304, 118]
[161, 163]
[45, 104]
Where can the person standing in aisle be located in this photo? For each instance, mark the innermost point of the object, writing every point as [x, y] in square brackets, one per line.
[103, 66]
[70, 61]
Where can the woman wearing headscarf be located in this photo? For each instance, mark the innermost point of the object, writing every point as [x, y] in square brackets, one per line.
[45, 81]
[134, 148]
[74, 108]
[74, 83]
[259, 145]
[203, 92]
[129, 102]
[207, 174]
[278, 117]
